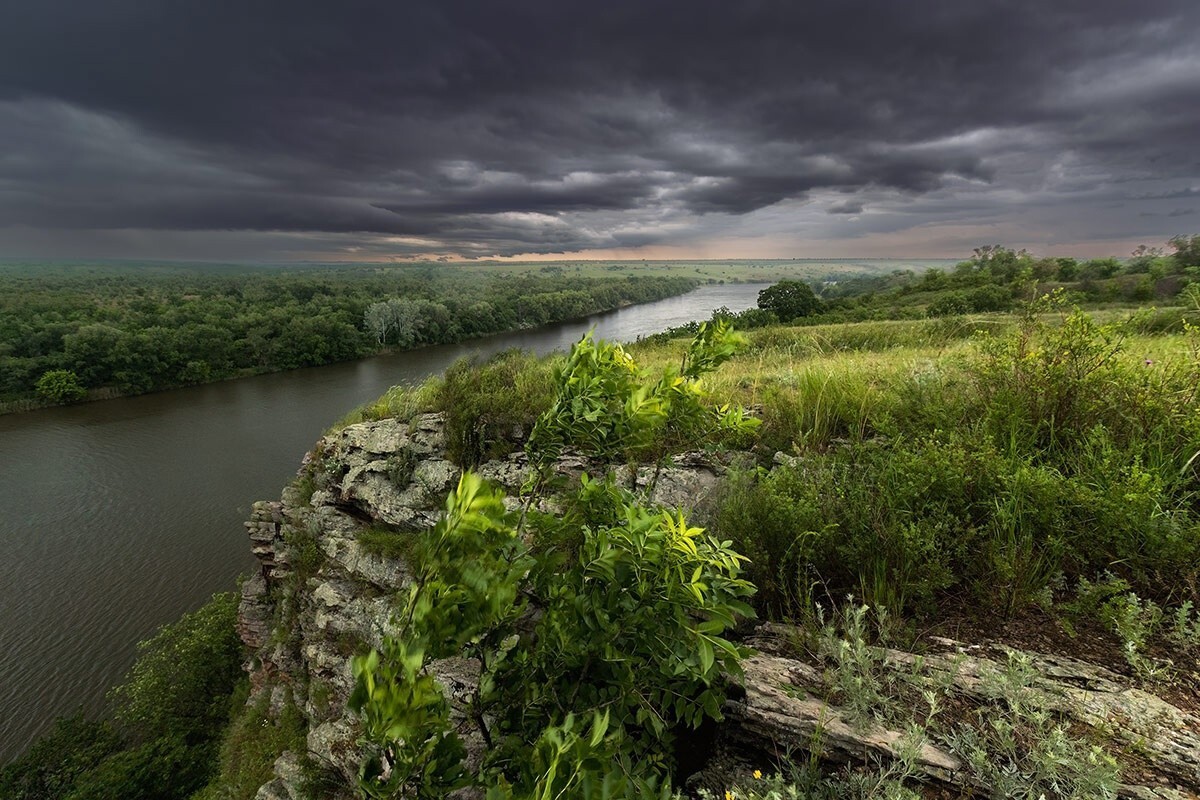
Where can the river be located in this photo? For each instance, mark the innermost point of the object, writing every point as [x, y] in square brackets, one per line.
[119, 516]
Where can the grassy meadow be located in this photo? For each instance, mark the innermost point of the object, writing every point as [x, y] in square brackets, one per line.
[920, 465]
[1025, 479]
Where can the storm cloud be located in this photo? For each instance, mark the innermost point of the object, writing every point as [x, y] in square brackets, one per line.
[367, 129]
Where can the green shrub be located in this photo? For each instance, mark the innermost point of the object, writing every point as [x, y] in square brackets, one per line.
[628, 646]
[907, 521]
[583, 697]
[56, 761]
[490, 407]
[777, 524]
[60, 386]
[254, 740]
[950, 303]
[165, 767]
[183, 675]
[607, 406]
[170, 713]
[897, 524]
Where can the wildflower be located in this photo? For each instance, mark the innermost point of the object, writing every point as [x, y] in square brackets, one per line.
[728, 795]
[758, 774]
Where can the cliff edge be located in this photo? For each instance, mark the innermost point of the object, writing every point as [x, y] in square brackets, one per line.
[331, 562]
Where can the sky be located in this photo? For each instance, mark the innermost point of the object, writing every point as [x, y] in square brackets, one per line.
[272, 130]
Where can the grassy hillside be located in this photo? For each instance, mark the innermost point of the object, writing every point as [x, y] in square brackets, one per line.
[919, 460]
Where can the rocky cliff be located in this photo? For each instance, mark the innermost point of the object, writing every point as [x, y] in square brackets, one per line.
[330, 555]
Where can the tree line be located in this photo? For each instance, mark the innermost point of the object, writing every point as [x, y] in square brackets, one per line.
[70, 331]
[994, 278]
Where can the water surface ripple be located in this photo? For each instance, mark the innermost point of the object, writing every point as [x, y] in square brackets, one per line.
[117, 517]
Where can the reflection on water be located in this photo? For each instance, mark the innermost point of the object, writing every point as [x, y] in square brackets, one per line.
[119, 516]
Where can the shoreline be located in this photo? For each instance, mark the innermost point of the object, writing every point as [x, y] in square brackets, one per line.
[105, 393]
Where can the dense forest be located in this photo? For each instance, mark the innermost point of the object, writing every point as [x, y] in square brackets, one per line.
[70, 332]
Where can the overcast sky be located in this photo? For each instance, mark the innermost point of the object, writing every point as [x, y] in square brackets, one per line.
[311, 129]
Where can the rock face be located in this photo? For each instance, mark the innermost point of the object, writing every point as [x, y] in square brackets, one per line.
[321, 595]
[780, 711]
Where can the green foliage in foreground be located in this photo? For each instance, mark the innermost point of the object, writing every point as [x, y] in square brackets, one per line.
[170, 712]
[583, 698]
[491, 406]
[607, 406]
[598, 634]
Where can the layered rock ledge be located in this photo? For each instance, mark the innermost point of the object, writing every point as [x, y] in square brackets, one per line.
[321, 595]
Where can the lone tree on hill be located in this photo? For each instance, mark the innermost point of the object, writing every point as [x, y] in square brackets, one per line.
[788, 300]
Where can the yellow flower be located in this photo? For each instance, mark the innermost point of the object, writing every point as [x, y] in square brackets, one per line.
[728, 795]
[758, 774]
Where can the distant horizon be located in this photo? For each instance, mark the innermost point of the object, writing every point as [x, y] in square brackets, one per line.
[415, 261]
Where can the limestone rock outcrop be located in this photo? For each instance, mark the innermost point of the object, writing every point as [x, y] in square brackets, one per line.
[322, 595]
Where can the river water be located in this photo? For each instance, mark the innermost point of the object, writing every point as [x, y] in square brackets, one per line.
[119, 516]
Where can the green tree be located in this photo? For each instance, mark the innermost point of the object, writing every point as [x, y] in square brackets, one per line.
[949, 304]
[60, 386]
[789, 300]
[170, 714]
[1068, 268]
[55, 762]
[1099, 268]
[183, 674]
[1187, 250]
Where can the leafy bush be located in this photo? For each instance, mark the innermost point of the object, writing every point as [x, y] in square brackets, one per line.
[52, 766]
[183, 674]
[170, 713]
[626, 647]
[607, 406]
[489, 407]
[60, 386]
[1042, 452]
[898, 525]
[949, 304]
[595, 644]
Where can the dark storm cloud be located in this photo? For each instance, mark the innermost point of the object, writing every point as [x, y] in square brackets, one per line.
[480, 127]
[846, 207]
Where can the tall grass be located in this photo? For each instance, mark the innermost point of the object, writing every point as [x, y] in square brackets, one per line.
[987, 457]
[1051, 447]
